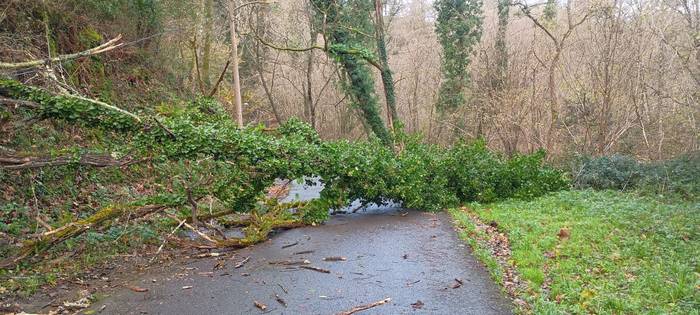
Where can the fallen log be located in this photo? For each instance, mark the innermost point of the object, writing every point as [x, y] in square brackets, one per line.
[56, 236]
[17, 162]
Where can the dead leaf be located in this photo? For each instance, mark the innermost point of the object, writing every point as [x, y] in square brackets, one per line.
[564, 233]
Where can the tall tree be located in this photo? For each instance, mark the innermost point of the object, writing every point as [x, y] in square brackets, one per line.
[459, 28]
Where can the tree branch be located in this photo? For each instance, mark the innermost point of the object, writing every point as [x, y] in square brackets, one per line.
[349, 51]
[109, 45]
[17, 162]
[221, 78]
[16, 103]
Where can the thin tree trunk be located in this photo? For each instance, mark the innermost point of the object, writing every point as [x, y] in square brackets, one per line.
[206, 53]
[310, 108]
[238, 101]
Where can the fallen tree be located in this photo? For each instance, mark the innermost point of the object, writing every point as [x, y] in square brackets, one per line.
[197, 151]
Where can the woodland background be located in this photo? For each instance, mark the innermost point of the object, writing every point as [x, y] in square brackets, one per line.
[577, 78]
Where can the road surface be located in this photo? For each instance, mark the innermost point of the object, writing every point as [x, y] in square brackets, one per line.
[411, 257]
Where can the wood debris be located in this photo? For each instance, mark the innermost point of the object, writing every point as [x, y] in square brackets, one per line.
[259, 305]
[240, 264]
[206, 255]
[303, 252]
[316, 269]
[290, 245]
[137, 289]
[335, 258]
[280, 300]
[365, 307]
[219, 265]
[418, 305]
[290, 262]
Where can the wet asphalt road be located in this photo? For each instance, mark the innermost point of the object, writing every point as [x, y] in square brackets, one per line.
[391, 253]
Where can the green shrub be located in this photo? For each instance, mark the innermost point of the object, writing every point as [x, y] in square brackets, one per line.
[608, 172]
[679, 176]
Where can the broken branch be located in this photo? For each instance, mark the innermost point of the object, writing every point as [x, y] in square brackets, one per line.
[365, 307]
[56, 236]
[109, 45]
[316, 269]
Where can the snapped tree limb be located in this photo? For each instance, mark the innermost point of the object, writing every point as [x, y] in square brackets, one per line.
[73, 229]
[107, 46]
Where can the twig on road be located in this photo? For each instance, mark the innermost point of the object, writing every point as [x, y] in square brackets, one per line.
[365, 307]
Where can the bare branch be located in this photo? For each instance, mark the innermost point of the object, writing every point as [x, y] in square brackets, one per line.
[109, 45]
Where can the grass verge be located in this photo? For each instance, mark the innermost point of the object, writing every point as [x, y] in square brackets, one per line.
[596, 252]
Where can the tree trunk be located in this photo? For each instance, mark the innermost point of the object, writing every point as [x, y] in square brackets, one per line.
[387, 78]
[238, 102]
[206, 53]
[309, 105]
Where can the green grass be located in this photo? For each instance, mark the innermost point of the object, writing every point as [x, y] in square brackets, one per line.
[626, 254]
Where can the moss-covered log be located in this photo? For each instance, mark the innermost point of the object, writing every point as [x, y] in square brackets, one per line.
[73, 229]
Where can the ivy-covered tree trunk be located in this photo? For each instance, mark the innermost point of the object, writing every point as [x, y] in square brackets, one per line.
[349, 49]
[362, 90]
[501, 45]
[387, 77]
[459, 27]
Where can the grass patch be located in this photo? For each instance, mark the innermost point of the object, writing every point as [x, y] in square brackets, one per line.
[626, 254]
